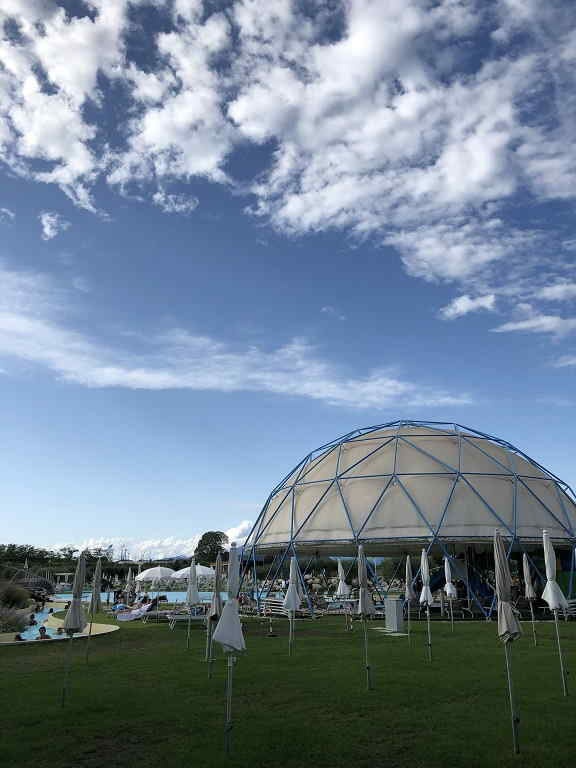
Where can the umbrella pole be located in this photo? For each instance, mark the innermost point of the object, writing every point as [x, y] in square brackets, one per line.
[88, 638]
[409, 633]
[209, 648]
[451, 615]
[290, 632]
[533, 623]
[429, 633]
[66, 669]
[366, 662]
[188, 632]
[562, 672]
[514, 717]
[228, 725]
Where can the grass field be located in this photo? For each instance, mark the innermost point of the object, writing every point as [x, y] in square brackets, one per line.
[143, 700]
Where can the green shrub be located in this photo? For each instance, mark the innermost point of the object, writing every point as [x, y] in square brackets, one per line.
[13, 619]
[13, 596]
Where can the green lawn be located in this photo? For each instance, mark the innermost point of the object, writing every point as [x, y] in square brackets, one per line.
[144, 701]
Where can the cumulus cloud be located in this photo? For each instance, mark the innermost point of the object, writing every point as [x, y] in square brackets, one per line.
[53, 224]
[463, 305]
[562, 291]
[175, 203]
[145, 549]
[379, 120]
[7, 215]
[33, 329]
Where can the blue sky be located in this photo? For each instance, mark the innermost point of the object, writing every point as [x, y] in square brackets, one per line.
[231, 231]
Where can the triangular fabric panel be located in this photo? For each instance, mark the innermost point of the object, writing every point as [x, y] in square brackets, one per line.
[546, 491]
[430, 494]
[323, 467]
[372, 461]
[305, 498]
[395, 517]
[328, 521]
[526, 468]
[467, 516]
[411, 459]
[360, 496]
[475, 460]
[498, 492]
[276, 523]
[410, 431]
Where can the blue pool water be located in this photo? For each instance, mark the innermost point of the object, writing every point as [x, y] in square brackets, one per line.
[171, 597]
[31, 633]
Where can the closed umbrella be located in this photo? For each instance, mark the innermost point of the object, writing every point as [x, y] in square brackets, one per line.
[426, 595]
[192, 596]
[343, 588]
[229, 635]
[450, 589]
[529, 592]
[409, 593]
[508, 625]
[554, 596]
[129, 589]
[292, 601]
[365, 609]
[95, 600]
[75, 620]
[215, 611]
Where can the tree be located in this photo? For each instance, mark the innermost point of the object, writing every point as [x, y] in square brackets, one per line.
[211, 543]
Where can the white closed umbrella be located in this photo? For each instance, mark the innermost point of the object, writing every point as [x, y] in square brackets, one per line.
[292, 600]
[529, 592]
[426, 596]
[75, 619]
[343, 588]
[409, 593]
[554, 596]
[192, 597]
[365, 609]
[129, 589]
[214, 612]
[508, 624]
[229, 635]
[95, 600]
[450, 589]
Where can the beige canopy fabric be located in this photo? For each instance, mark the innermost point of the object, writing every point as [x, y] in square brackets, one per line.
[409, 593]
[365, 604]
[508, 625]
[529, 592]
[388, 488]
[552, 594]
[75, 620]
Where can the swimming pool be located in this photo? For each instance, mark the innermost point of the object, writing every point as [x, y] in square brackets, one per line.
[31, 633]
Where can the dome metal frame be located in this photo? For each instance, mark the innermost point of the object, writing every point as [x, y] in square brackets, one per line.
[487, 448]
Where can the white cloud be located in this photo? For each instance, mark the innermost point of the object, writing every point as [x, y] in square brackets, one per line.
[562, 291]
[53, 224]
[566, 361]
[7, 215]
[175, 203]
[333, 312]
[463, 305]
[33, 329]
[168, 546]
[381, 122]
[540, 323]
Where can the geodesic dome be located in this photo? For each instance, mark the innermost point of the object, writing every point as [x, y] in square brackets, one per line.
[399, 486]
